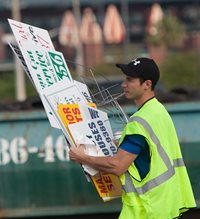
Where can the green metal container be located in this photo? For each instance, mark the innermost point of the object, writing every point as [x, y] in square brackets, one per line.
[37, 178]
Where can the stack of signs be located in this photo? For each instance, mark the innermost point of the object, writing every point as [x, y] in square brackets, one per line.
[67, 102]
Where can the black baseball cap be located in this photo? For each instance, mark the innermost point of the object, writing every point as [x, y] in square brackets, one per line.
[144, 68]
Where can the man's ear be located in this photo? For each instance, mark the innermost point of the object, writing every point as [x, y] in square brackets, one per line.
[148, 84]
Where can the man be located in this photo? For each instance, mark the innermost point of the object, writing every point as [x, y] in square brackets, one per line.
[148, 161]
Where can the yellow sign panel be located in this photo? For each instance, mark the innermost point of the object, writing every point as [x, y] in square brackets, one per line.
[69, 113]
[107, 185]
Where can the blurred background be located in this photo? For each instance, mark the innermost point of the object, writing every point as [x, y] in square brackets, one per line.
[37, 180]
[99, 34]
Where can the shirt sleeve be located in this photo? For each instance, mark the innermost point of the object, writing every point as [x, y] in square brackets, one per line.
[133, 143]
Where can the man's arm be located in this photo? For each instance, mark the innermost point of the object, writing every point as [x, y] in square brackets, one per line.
[117, 164]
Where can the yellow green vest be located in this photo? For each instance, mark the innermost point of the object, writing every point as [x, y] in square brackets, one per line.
[165, 192]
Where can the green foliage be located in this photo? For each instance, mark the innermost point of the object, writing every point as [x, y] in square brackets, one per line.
[30, 89]
[169, 32]
[7, 87]
[181, 69]
[107, 69]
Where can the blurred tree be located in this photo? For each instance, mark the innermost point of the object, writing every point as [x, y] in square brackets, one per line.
[169, 33]
[181, 69]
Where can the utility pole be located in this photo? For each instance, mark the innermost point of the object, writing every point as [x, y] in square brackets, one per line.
[79, 56]
[125, 16]
[20, 87]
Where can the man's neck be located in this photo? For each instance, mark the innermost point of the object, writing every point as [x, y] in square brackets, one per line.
[140, 102]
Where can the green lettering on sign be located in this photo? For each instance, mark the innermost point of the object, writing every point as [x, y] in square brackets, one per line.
[59, 66]
[32, 60]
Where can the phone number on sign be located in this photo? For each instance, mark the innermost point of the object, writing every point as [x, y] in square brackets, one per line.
[102, 138]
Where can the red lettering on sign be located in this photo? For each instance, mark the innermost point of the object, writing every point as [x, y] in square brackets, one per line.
[101, 186]
[18, 26]
[102, 189]
[107, 179]
[70, 118]
[43, 42]
[72, 115]
[66, 110]
[110, 187]
[21, 31]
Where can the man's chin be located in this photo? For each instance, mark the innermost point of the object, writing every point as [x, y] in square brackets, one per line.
[127, 96]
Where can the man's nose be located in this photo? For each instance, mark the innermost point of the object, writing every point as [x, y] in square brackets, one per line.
[123, 84]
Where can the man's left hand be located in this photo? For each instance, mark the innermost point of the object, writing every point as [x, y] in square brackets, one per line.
[77, 154]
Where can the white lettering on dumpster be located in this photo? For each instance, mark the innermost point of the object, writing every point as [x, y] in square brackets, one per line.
[4, 154]
[18, 152]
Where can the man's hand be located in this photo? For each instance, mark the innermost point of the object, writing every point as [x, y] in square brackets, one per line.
[117, 164]
[77, 154]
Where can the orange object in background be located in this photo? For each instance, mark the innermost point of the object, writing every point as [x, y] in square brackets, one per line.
[69, 31]
[91, 38]
[114, 29]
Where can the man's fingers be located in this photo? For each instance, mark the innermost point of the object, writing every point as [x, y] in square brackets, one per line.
[77, 153]
[81, 146]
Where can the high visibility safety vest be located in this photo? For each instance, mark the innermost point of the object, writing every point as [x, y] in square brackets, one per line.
[165, 192]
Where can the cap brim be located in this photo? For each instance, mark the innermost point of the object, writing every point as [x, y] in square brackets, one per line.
[126, 70]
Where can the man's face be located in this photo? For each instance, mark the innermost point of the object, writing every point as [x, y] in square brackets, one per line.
[133, 88]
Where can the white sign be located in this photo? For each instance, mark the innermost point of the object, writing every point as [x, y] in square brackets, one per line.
[33, 35]
[84, 90]
[96, 128]
[63, 93]
[45, 66]
[15, 48]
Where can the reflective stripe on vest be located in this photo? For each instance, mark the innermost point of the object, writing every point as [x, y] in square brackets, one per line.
[129, 187]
